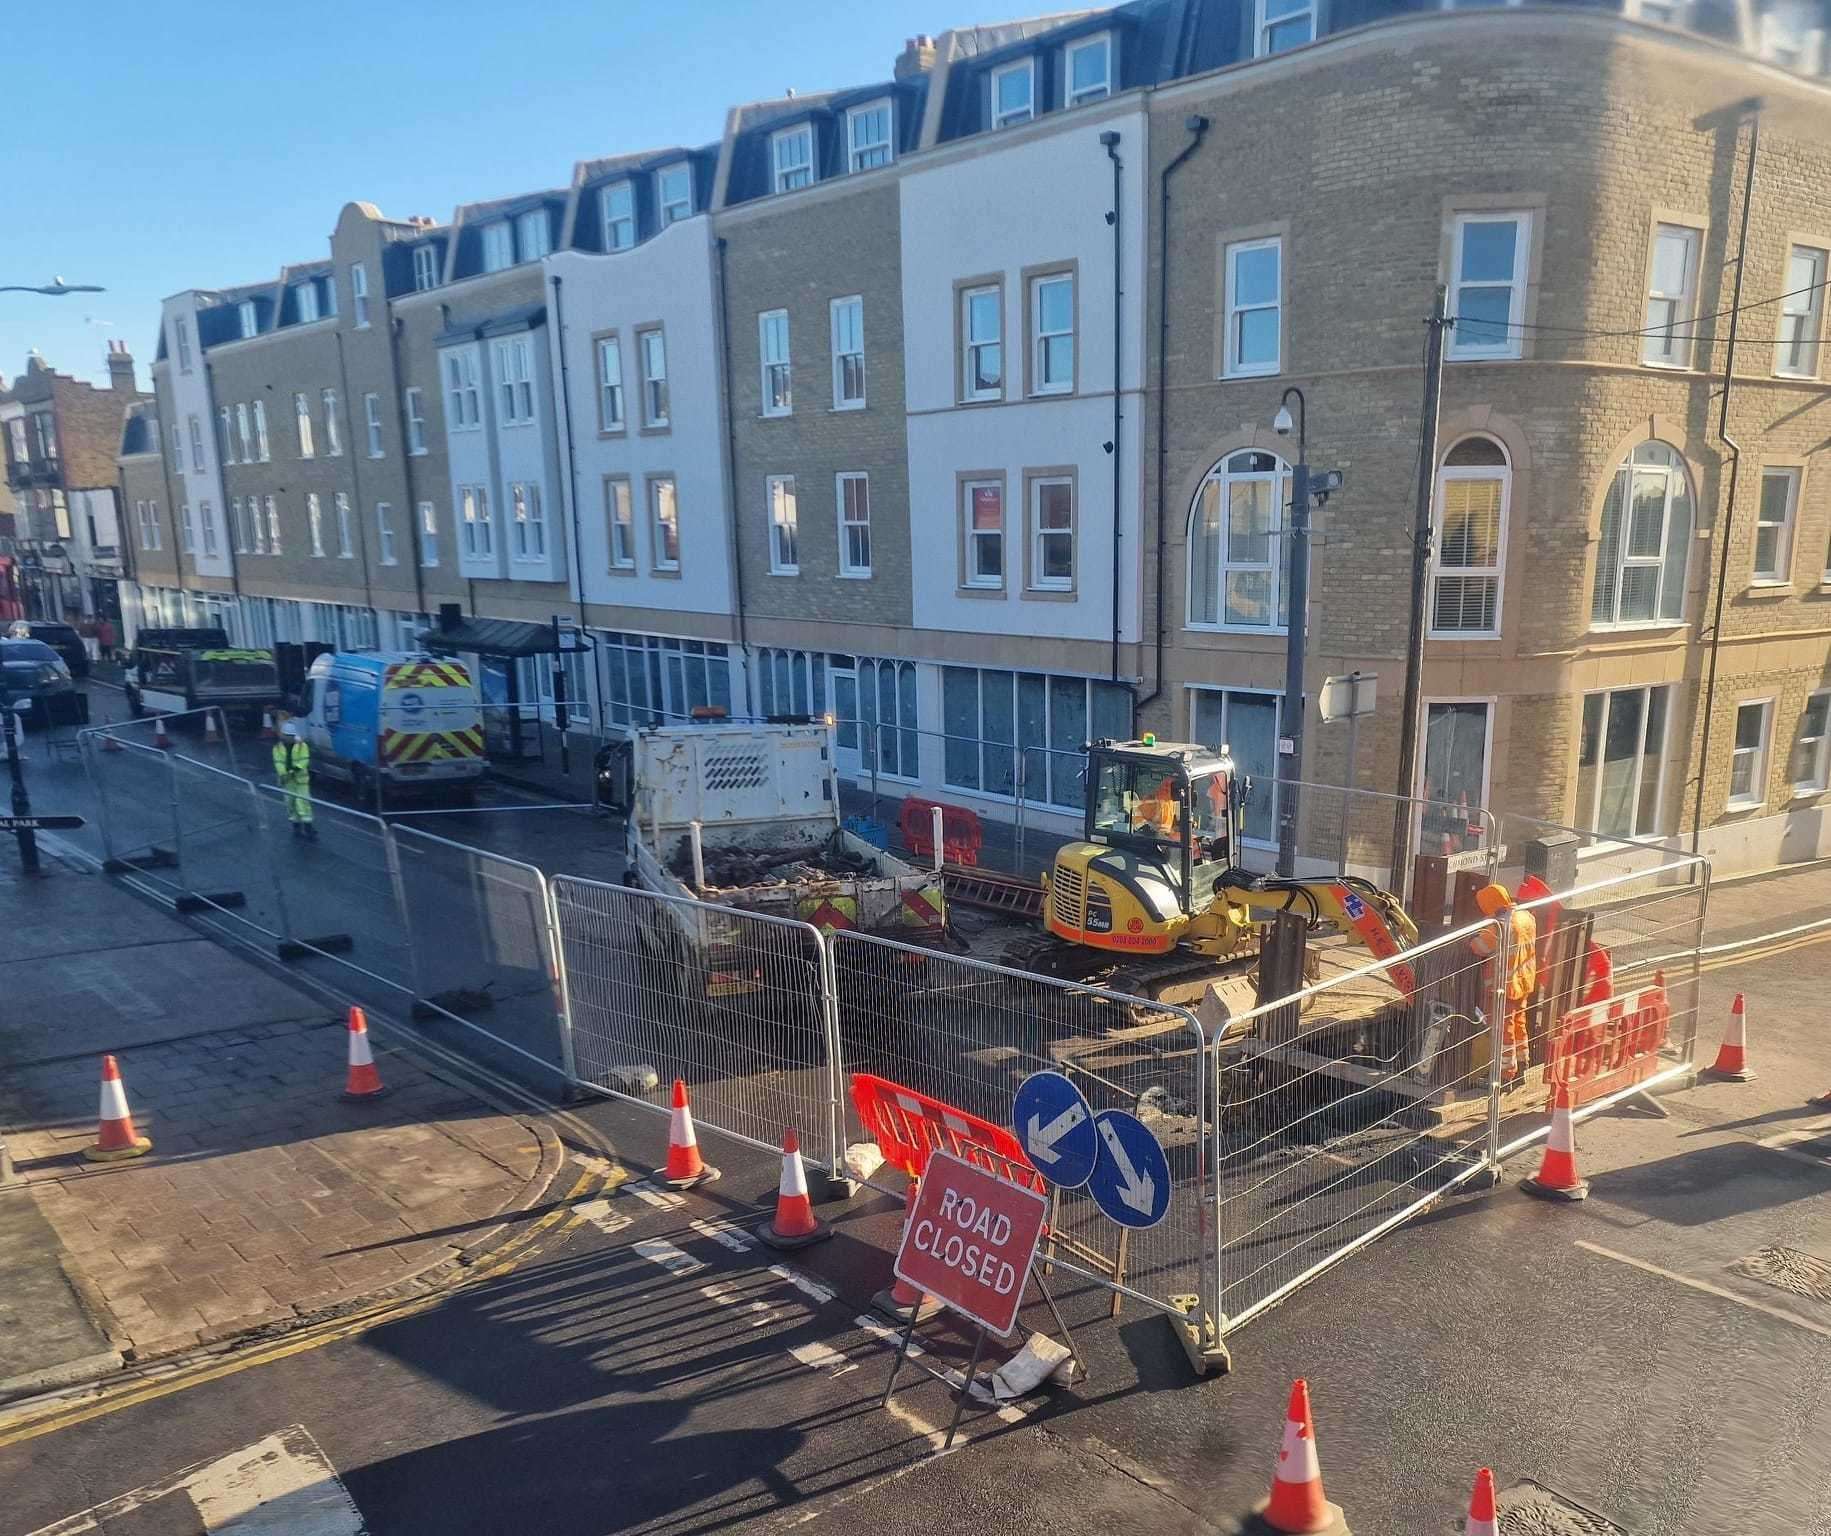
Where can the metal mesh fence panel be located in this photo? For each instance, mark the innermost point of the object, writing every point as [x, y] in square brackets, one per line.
[731, 1002]
[224, 857]
[138, 816]
[1352, 831]
[482, 944]
[1346, 1107]
[968, 1033]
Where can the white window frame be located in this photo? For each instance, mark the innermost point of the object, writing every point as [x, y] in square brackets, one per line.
[836, 310]
[260, 432]
[187, 530]
[359, 295]
[181, 333]
[652, 489]
[1087, 93]
[850, 569]
[226, 450]
[1447, 473]
[333, 437]
[1778, 570]
[249, 318]
[533, 234]
[1802, 317]
[775, 364]
[528, 517]
[1039, 536]
[655, 403]
[1490, 705]
[478, 532]
[413, 402]
[1819, 779]
[1668, 343]
[1589, 817]
[429, 535]
[1509, 345]
[514, 359]
[1227, 694]
[206, 516]
[971, 576]
[971, 347]
[273, 526]
[859, 152]
[1279, 477]
[791, 175]
[425, 267]
[314, 521]
[244, 437]
[196, 431]
[1755, 796]
[258, 524]
[302, 418]
[371, 410]
[784, 525]
[612, 413]
[674, 210]
[498, 237]
[305, 301]
[1040, 382]
[1231, 365]
[463, 392]
[1625, 562]
[236, 534]
[620, 522]
[612, 221]
[1264, 25]
[346, 541]
[1007, 117]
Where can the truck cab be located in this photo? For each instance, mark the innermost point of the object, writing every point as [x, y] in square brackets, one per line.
[174, 670]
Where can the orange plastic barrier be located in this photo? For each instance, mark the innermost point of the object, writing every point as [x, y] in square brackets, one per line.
[1603, 1047]
[908, 1125]
[961, 833]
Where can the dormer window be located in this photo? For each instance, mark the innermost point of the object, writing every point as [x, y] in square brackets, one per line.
[619, 205]
[674, 193]
[306, 297]
[250, 321]
[498, 246]
[1014, 93]
[793, 153]
[868, 136]
[533, 234]
[1090, 69]
[425, 267]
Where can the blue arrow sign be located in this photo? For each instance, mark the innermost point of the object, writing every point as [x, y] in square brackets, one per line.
[1055, 1124]
[1131, 1177]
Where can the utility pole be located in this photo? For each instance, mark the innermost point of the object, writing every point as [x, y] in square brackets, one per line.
[1296, 632]
[1423, 527]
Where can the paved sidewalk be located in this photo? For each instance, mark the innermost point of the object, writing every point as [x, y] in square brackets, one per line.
[266, 1197]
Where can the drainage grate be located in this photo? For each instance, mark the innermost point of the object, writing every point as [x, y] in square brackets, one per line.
[1787, 1269]
[1531, 1509]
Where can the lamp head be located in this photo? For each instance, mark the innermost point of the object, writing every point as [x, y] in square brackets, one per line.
[1282, 423]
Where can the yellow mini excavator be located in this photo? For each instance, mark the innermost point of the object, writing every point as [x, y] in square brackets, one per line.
[1156, 888]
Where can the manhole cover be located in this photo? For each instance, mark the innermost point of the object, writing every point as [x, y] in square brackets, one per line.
[1531, 1509]
[1788, 1269]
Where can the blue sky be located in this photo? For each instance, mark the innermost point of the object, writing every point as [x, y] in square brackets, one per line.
[155, 148]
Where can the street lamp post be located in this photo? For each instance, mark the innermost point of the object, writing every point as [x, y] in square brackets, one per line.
[55, 289]
[1290, 743]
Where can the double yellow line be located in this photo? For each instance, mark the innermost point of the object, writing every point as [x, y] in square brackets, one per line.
[491, 1265]
[1765, 951]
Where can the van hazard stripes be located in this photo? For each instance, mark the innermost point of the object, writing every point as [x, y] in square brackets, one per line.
[426, 674]
[400, 747]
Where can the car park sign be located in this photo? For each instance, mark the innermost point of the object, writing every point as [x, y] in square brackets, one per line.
[970, 1240]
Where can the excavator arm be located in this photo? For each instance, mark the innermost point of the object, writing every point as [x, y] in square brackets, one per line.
[1356, 906]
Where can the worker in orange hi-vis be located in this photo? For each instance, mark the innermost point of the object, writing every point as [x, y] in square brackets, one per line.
[1522, 970]
[1160, 807]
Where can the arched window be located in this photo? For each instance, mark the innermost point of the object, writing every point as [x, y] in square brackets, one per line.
[1473, 489]
[1646, 539]
[1237, 578]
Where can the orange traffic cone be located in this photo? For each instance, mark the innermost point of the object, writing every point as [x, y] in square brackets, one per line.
[900, 1299]
[268, 733]
[1297, 1502]
[1482, 1519]
[794, 1225]
[363, 1082]
[111, 742]
[1732, 1055]
[160, 740]
[210, 733]
[685, 1167]
[1557, 1176]
[115, 1139]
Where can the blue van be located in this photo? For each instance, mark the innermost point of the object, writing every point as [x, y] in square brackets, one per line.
[394, 720]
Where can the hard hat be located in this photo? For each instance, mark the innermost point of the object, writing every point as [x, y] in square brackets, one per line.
[290, 730]
[1493, 900]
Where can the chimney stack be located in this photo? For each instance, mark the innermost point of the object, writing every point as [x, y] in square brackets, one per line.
[917, 57]
[121, 369]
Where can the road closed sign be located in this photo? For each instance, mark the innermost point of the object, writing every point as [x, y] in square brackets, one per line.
[970, 1240]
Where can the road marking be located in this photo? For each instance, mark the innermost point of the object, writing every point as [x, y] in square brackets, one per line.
[603, 1215]
[727, 1233]
[661, 1199]
[725, 1294]
[284, 1482]
[669, 1257]
[884, 1334]
[822, 1357]
[1708, 1289]
[802, 1283]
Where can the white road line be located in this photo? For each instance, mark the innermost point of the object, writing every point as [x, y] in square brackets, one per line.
[1708, 1289]
[892, 1337]
[822, 1357]
[603, 1215]
[802, 1283]
[661, 1199]
[669, 1257]
[731, 1236]
[280, 1484]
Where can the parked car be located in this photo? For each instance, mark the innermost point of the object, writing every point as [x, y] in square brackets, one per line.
[30, 669]
[60, 637]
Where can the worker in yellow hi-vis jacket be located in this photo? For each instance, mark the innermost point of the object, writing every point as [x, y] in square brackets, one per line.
[292, 768]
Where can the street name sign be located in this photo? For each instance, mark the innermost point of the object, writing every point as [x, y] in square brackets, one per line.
[1131, 1177]
[40, 823]
[1056, 1126]
[970, 1241]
